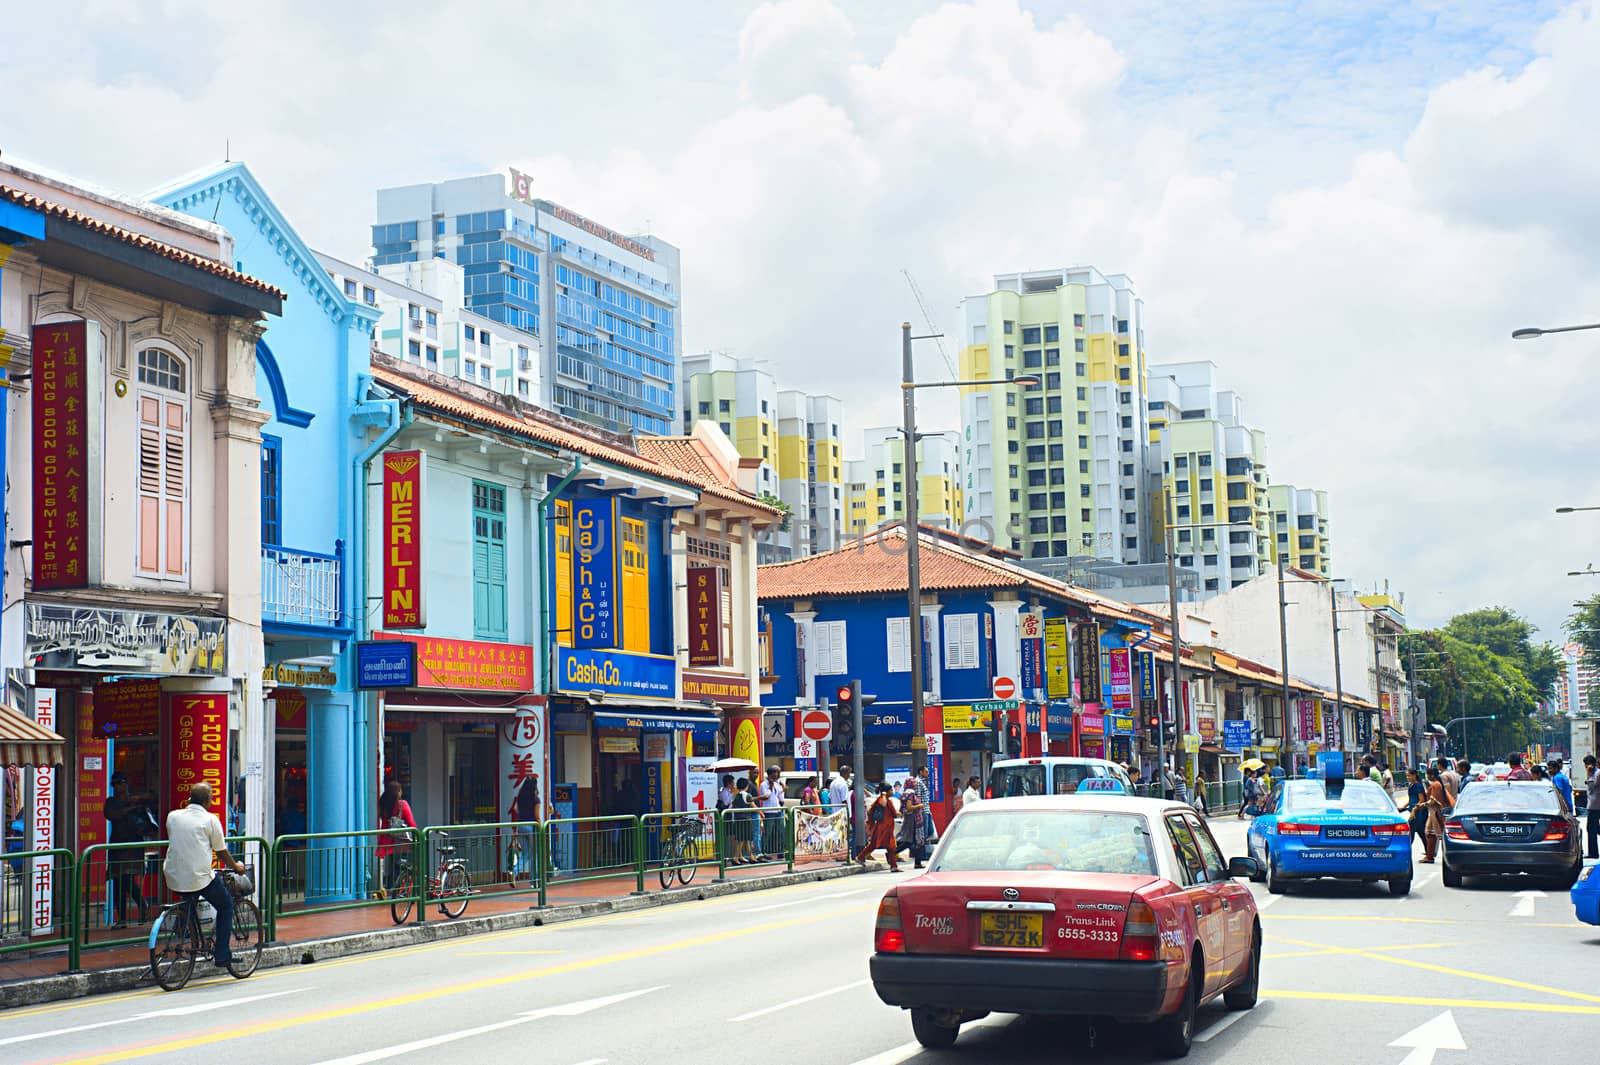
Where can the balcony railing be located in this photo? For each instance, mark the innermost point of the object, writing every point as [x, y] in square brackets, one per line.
[302, 587]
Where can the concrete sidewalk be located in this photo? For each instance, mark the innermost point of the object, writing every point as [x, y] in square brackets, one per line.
[306, 938]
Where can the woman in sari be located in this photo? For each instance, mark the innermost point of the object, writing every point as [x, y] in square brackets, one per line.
[880, 829]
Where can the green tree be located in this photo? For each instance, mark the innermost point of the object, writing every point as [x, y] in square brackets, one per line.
[1583, 624]
[1509, 635]
[1464, 679]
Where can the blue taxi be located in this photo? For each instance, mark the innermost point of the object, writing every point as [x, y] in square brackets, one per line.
[1586, 894]
[1349, 830]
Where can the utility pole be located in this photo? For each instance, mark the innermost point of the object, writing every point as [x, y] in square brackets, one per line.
[1177, 661]
[913, 544]
[1283, 647]
[1338, 676]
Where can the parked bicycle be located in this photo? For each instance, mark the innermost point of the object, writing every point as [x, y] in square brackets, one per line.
[449, 883]
[681, 853]
[180, 936]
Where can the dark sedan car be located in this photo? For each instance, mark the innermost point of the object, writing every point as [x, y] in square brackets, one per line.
[1503, 826]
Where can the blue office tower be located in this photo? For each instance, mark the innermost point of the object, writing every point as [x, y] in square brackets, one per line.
[603, 305]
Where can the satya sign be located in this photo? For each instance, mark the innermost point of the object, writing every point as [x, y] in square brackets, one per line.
[705, 616]
[403, 477]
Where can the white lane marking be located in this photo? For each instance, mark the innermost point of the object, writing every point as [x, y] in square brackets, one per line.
[176, 1011]
[1425, 881]
[1525, 901]
[571, 1009]
[907, 1051]
[1222, 1024]
[753, 1014]
[804, 901]
[1270, 900]
[593, 1061]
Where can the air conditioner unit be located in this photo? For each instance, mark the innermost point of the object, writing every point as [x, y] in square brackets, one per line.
[525, 362]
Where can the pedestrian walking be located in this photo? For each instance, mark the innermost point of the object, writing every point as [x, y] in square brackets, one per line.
[1438, 800]
[925, 799]
[742, 813]
[528, 811]
[771, 797]
[1559, 778]
[810, 797]
[131, 822]
[1539, 772]
[1518, 770]
[1201, 784]
[1250, 795]
[1386, 776]
[913, 828]
[1417, 806]
[1592, 818]
[839, 789]
[880, 829]
[971, 794]
[394, 813]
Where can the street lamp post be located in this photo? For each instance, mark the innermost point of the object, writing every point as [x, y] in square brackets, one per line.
[908, 389]
[1462, 721]
[1528, 333]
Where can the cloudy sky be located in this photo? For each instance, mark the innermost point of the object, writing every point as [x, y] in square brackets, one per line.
[1346, 204]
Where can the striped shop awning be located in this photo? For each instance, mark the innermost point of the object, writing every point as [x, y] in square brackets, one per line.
[26, 743]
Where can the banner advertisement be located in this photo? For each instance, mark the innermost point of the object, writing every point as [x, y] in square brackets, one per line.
[593, 570]
[1057, 677]
[1308, 731]
[700, 794]
[61, 489]
[123, 641]
[127, 708]
[705, 616]
[43, 833]
[1236, 735]
[199, 749]
[402, 540]
[94, 774]
[472, 665]
[1147, 675]
[1363, 730]
[1087, 637]
[1330, 728]
[1120, 661]
[522, 758]
[1386, 705]
[616, 673]
[718, 687]
[967, 719]
[1092, 724]
[821, 837]
[1121, 724]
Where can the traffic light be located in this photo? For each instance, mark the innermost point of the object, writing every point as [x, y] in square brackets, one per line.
[1013, 740]
[1152, 721]
[850, 698]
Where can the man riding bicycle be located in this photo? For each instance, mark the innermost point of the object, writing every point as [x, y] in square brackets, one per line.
[195, 839]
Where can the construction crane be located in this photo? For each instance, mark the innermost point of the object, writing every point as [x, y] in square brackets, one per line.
[927, 320]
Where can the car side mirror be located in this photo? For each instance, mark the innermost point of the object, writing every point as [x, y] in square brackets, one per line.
[1245, 867]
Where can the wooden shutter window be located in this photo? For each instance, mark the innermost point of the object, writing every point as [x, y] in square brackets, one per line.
[635, 586]
[563, 622]
[162, 542]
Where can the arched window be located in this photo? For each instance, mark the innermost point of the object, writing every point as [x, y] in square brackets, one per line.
[163, 414]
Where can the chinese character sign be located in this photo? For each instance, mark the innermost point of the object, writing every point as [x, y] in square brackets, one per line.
[593, 566]
[402, 540]
[522, 757]
[705, 616]
[60, 455]
[1057, 678]
[1088, 636]
[1147, 675]
[199, 749]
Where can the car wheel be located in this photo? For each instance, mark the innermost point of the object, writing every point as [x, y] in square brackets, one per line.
[1400, 886]
[1450, 877]
[1275, 883]
[930, 1033]
[1565, 881]
[1243, 995]
[1175, 1035]
[1258, 876]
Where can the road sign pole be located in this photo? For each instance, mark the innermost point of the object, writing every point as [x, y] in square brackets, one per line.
[858, 807]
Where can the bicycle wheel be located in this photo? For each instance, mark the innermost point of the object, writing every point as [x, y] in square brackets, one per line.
[687, 862]
[173, 946]
[454, 882]
[400, 893]
[249, 934]
[669, 860]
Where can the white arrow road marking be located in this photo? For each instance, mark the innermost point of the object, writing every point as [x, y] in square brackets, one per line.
[753, 1014]
[176, 1011]
[571, 1009]
[1427, 1039]
[907, 1051]
[1525, 900]
[1216, 1028]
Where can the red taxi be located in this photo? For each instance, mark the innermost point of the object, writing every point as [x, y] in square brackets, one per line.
[1070, 905]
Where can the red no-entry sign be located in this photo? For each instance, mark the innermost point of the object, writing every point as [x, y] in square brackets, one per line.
[1005, 688]
[815, 724]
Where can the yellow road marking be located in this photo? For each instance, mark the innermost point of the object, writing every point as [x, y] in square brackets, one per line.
[1362, 917]
[1325, 951]
[1440, 1003]
[1503, 981]
[438, 944]
[503, 953]
[294, 1020]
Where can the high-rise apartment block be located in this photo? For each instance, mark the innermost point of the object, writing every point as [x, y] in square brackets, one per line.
[425, 322]
[793, 435]
[604, 305]
[875, 485]
[1300, 527]
[1214, 475]
[1576, 681]
[1062, 469]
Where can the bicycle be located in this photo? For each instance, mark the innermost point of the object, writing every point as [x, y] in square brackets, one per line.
[681, 851]
[180, 936]
[449, 883]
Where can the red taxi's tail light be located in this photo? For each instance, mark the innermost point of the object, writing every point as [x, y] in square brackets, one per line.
[1557, 831]
[988, 793]
[1141, 939]
[888, 937]
[1401, 829]
[1455, 830]
[1298, 828]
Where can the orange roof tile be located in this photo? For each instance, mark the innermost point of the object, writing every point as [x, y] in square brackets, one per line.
[138, 240]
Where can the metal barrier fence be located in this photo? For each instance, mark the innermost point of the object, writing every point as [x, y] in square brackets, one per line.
[594, 848]
[684, 843]
[492, 858]
[37, 904]
[323, 872]
[120, 887]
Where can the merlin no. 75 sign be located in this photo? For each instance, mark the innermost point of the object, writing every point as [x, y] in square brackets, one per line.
[403, 606]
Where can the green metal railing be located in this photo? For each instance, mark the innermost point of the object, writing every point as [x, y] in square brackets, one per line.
[324, 872]
[704, 838]
[105, 870]
[594, 848]
[20, 880]
[496, 855]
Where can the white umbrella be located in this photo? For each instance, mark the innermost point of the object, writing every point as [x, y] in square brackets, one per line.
[728, 765]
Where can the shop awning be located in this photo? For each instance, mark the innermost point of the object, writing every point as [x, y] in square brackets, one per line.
[1220, 752]
[619, 719]
[24, 742]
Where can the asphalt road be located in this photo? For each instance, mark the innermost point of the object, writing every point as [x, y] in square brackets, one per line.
[1350, 975]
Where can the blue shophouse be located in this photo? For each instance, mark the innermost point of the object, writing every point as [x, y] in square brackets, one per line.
[312, 365]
